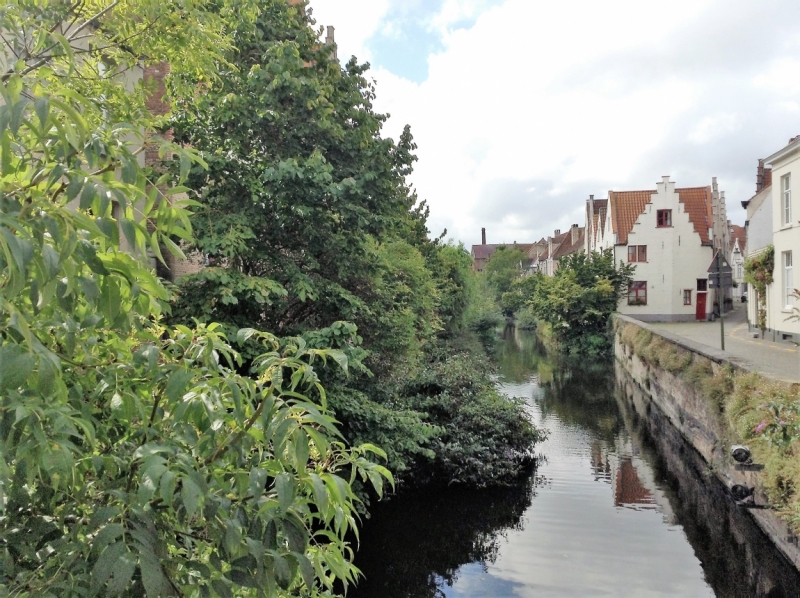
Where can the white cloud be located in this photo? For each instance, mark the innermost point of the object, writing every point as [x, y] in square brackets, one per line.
[538, 104]
[355, 22]
[712, 127]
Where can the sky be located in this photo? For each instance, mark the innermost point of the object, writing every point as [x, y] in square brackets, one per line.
[523, 108]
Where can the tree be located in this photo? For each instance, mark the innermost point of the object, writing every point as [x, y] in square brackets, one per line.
[300, 185]
[136, 459]
[578, 300]
[503, 268]
[519, 293]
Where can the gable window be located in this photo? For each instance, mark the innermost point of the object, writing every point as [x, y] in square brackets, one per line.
[637, 253]
[786, 198]
[664, 217]
[687, 296]
[788, 283]
[637, 293]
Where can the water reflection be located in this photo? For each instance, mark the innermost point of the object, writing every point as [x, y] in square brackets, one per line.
[415, 546]
[604, 514]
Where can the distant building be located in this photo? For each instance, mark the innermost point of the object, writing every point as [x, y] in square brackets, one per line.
[481, 253]
[737, 253]
[562, 245]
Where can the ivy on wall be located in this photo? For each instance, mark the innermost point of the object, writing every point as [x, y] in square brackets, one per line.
[758, 272]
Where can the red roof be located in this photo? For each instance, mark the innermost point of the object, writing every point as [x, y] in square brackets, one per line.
[738, 234]
[567, 246]
[626, 206]
[484, 252]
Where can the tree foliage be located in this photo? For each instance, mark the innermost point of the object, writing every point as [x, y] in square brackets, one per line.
[503, 267]
[308, 220]
[136, 457]
[578, 300]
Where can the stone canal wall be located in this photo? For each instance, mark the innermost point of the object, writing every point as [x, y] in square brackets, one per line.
[668, 382]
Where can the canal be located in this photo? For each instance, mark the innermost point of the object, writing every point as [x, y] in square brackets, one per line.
[618, 506]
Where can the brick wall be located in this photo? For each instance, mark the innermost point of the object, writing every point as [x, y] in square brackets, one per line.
[154, 76]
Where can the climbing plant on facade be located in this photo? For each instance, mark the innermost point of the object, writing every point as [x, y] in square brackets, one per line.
[758, 271]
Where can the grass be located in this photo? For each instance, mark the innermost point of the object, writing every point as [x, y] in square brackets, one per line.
[758, 411]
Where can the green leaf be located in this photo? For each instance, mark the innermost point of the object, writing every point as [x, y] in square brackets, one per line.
[320, 493]
[285, 489]
[258, 480]
[105, 565]
[221, 588]
[191, 495]
[177, 384]
[153, 578]
[296, 535]
[122, 575]
[42, 107]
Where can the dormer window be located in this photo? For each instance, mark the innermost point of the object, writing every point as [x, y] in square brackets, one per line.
[664, 218]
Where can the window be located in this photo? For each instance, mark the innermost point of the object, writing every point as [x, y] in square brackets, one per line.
[637, 293]
[702, 285]
[786, 203]
[637, 253]
[687, 296]
[739, 271]
[664, 217]
[788, 283]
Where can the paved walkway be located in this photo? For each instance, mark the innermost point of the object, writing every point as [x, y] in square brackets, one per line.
[778, 359]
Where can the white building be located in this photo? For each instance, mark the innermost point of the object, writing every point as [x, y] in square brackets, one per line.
[668, 235]
[736, 257]
[786, 239]
[758, 229]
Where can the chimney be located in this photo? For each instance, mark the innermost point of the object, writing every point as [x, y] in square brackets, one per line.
[483, 236]
[763, 176]
[557, 232]
[574, 234]
[330, 41]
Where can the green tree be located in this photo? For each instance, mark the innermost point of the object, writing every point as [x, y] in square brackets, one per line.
[300, 184]
[135, 458]
[308, 220]
[503, 268]
[520, 292]
[578, 300]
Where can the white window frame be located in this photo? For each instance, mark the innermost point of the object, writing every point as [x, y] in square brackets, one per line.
[786, 198]
[788, 282]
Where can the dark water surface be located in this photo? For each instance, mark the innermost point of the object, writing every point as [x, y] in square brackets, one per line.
[617, 506]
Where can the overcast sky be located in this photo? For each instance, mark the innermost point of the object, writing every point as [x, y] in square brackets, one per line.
[522, 108]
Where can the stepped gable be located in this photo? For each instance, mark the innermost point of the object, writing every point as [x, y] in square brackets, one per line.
[599, 209]
[625, 209]
[697, 203]
[627, 205]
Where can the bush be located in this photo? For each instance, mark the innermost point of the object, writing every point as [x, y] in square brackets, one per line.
[486, 438]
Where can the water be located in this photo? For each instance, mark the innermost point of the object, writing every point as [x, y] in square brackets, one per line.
[618, 506]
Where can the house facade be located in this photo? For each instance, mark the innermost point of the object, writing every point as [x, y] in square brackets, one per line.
[758, 232]
[667, 234]
[736, 257]
[785, 238]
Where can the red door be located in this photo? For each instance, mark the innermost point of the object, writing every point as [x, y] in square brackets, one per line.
[700, 313]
